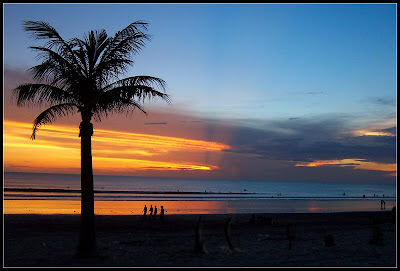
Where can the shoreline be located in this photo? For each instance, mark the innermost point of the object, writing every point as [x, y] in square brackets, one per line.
[257, 195]
[226, 206]
[128, 240]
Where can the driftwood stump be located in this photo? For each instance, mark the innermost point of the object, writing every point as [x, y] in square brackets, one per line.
[289, 235]
[227, 230]
[199, 242]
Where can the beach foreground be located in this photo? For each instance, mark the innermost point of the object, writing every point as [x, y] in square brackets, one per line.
[50, 240]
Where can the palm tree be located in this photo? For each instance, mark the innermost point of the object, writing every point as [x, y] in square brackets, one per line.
[82, 75]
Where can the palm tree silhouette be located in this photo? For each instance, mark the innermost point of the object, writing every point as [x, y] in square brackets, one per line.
[83, 76]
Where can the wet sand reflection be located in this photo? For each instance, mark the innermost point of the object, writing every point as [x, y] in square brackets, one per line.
[193, 207]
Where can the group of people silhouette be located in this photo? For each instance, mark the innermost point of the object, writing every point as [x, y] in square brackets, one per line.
[162, 211]
[383, 203]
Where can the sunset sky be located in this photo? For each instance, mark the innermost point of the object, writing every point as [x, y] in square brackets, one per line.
[279, 92]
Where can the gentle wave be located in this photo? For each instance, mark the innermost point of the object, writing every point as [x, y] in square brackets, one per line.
[39, 183]
[149, 196]
[45, 190]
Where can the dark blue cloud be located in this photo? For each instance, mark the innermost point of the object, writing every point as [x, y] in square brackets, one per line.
[314, 92]
[384, 101]
[310, 140]
[156, 123]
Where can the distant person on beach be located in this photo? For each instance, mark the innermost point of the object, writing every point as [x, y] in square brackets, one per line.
[162, 214]
[384, 204]
[155, 210]
[151, 210]
[145, 211]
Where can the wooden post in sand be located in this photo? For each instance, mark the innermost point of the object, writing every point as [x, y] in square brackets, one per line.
[289, 234]
[199, 243]
[328, 238]
[227, 230]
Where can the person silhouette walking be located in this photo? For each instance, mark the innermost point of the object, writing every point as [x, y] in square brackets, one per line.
[145, 211]
[155, 210]
[151, 211]
[162, 214]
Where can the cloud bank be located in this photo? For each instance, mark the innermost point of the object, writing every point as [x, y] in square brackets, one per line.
[270, 149]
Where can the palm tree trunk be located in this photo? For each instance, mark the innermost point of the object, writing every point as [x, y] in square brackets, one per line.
[87, 237]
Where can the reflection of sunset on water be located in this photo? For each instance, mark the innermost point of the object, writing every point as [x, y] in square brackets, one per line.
[193, 206]
[111, 207]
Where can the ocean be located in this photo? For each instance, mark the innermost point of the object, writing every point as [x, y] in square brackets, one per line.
[60, 193]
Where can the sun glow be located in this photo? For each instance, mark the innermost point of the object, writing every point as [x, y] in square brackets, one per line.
[112, 163]
[58, 147]
[371, 133]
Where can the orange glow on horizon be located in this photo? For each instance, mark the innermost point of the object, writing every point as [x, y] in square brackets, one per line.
[58, 147]
[105, 163]
[371, 133]
[73, 207]
[356, 163]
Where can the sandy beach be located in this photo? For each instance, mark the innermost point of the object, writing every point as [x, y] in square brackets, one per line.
[129, 241]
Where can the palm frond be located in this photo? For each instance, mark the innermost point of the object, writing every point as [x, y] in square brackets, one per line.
[51, 114]
[138, 87]
[54, 68]
[40, 93]
[110, 70]
[95, 44]
[143, 92]
[82, 56]
[84, 73]
[125, 43]
[137, 80]
[117, 107]
[43, 30]
[102, 42]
